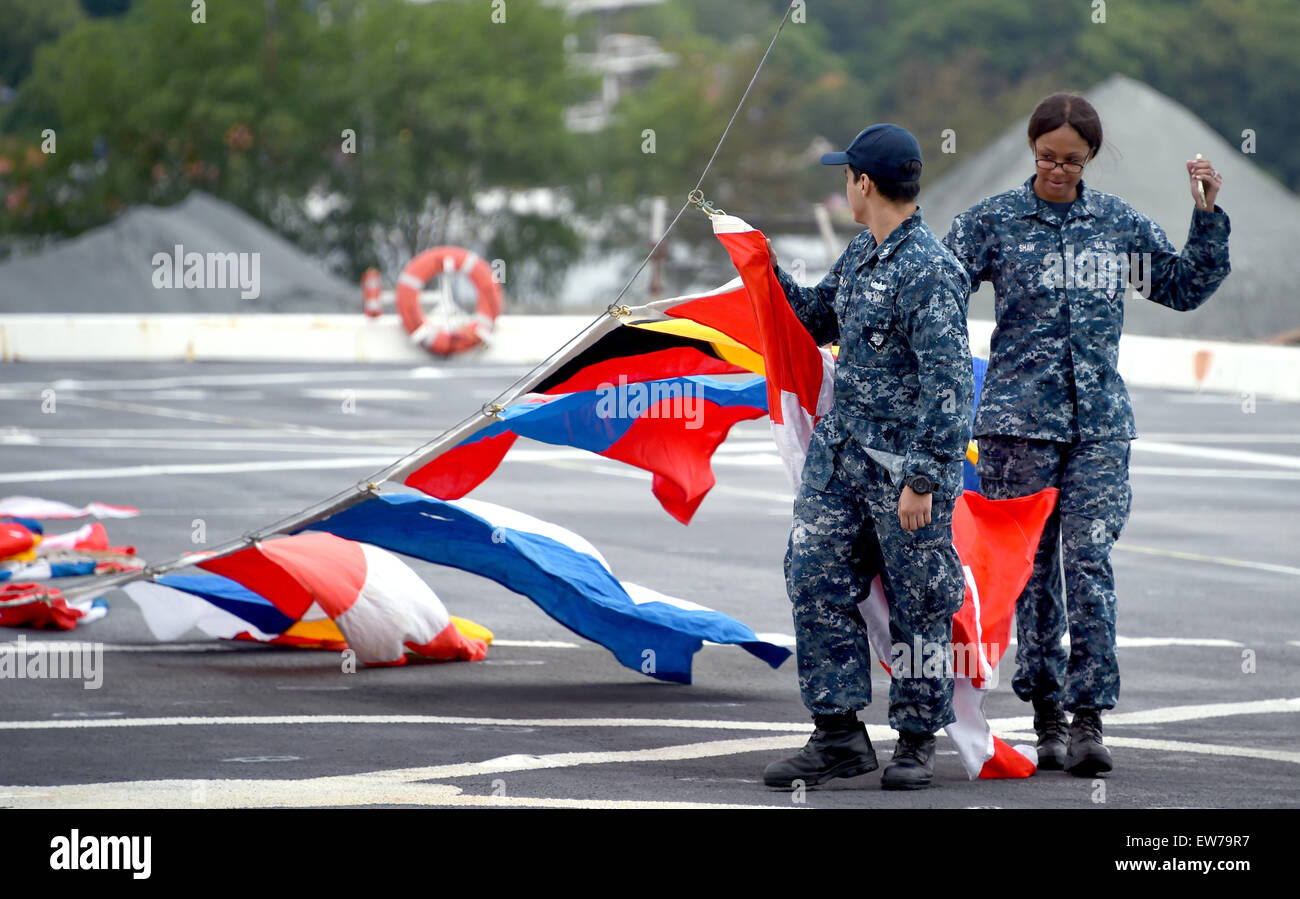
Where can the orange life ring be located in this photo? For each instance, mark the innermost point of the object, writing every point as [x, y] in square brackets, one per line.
[417, 273]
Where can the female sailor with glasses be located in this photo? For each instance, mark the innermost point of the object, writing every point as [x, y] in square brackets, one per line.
[1054, 411]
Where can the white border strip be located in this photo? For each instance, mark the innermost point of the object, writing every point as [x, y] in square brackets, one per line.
[1249, 370]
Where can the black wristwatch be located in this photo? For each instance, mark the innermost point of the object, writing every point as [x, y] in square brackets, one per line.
[919, 483]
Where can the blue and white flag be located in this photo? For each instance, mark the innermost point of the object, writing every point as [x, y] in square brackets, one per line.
[557, 569]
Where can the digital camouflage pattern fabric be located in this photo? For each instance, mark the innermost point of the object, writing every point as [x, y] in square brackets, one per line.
[903, 395]
[1060, 289]
[846, 531]
[903, 380]
[1054, 410]
[1091, 511]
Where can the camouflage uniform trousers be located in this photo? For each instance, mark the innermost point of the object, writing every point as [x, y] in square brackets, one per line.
[845, 532]
[1092, 509]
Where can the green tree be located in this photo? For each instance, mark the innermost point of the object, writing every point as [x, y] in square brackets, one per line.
[408, 112]
[1232, 62]
[977, 65]
[445, 104]
[24, 26]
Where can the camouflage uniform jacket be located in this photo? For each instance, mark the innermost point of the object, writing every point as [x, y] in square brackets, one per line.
[903, 381]
[1060, 289]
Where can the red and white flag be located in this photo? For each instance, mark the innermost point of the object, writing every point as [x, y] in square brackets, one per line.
[380, 605]
[800, 375]
[995, 539]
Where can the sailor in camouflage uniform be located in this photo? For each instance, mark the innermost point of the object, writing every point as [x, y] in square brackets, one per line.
[883, 470]
[1054, 410]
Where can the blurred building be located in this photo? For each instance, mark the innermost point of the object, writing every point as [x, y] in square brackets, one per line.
[623, 61]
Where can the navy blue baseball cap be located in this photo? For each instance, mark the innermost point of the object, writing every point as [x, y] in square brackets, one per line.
[881, 151]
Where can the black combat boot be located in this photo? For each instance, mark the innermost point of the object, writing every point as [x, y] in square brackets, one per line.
[837, 748]
[913, 764]
[1052, 727]
[1086, 755]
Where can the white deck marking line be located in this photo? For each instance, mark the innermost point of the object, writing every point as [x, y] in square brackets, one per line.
[200, 446]
[1209, 395]
[1168, 714]
[469, 801]
[750, 460]
[1205, 710]
[149, 471]
[778, 639]
[1156, 642]
[1273, 755]
[1150, 716]
[573, 759]
[226, 645]
[775, 638]
[748, 445]
[398, 786]
[360, 394]
[1147, 642]
[190, 415]
[1211, 452]
[1222, 438]
[394, 373]
[285, 794]
[421, 434]
[234, 720]
[408, 786]
[56, 646]
[1217, 473]
[560, 459]
[210, 513]
[1215, 560]
[538, 644]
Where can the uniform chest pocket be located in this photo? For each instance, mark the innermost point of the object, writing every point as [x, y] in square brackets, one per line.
[1034, 273]
[871, 335]
[1027, 276]
[1101, 267]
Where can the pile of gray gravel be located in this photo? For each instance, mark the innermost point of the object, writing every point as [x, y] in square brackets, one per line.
[1148, 138]
[113, 268]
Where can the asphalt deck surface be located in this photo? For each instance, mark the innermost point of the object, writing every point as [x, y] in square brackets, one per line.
[1208, 574]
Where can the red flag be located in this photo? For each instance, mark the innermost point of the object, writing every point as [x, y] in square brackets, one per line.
[800, 376]
[995, 539]
[15, 539]
[669, 427]
[35, 605]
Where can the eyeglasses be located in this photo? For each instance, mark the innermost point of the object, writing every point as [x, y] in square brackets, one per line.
[1048, 165]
